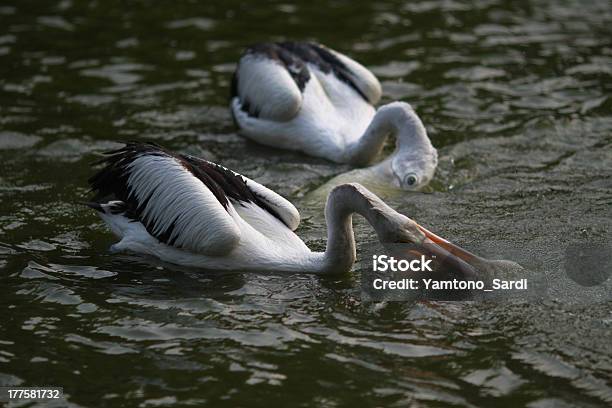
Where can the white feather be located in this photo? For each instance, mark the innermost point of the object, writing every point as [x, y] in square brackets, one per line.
[285, 210]
[362, 77]
[268, 88]
[332, 115]
[265, 243]
[172, 195]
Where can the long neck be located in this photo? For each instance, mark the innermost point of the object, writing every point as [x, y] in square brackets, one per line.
[397, 118]
[342, 203]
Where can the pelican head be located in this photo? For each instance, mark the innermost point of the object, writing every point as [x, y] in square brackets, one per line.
[393, 228]
[413, 171]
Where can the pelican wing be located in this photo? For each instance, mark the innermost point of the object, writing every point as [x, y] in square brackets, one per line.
[271, 77]
[180, 204]
[342, 67]
[268, 83]
[361, 77]
[246, 190]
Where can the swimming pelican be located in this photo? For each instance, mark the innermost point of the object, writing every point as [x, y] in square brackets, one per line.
[307, 97]
[192, 212]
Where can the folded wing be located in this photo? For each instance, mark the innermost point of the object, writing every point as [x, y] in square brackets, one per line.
[178, 204]
[268, 83]
[243, 189]
[271, 77]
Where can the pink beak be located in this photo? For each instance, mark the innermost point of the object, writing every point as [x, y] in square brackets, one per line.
[450, 255]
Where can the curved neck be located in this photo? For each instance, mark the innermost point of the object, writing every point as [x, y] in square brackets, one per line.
[397, 118]
[342, 203]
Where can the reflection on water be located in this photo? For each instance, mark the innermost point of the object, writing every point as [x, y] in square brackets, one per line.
[516, 98]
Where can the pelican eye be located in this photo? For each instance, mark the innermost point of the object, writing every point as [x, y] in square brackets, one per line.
[410, 180]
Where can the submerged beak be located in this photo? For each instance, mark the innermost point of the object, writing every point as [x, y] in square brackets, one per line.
[450, 257]
[448, 246]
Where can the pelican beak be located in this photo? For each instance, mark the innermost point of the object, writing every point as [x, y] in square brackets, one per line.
[449, 255]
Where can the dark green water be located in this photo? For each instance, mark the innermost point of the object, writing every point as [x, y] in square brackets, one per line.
[515, 95]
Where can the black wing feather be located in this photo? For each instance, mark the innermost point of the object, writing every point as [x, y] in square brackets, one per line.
[294, 56]
[111, 183]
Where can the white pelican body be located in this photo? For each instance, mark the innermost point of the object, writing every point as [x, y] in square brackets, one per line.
[306, 97]
[188, 211]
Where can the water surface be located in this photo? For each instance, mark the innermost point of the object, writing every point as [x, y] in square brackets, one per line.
[516, 96]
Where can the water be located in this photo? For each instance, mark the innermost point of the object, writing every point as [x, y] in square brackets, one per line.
[516, 97]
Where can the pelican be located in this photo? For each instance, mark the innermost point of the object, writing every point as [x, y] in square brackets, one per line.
[307, 97]
[189, 211]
